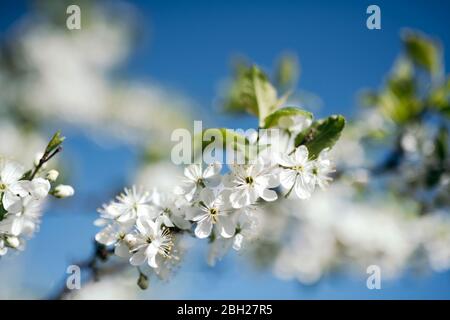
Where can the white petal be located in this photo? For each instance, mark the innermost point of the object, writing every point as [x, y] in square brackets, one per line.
[146, 226]
[138, 257]
[151, 253]
[228, 180]
[11, 202]
[181, 223]
[302, 190]
[10, 171]
[237, 243]
[301, 155]
[193, 172]
[287, 178]
[208, 197]
[226, 226]
[192, 213]
[240, 198]
[17, 226]
[269, 195]
[122, 250]
[106, 236]
[284, 160]
[212, 170]
[203, 229]
[143, 210]
[20, 188]
[39, 188]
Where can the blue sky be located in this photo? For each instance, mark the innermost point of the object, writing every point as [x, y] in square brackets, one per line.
[187, 46]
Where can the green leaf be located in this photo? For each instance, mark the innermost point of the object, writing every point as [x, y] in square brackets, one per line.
[322, 134]
[287, 72]
[3, 212]
[229, 139]
[423, 51]
[441, 145]
[55, 142]
[252, 91]
[439, 98]
[272, 119]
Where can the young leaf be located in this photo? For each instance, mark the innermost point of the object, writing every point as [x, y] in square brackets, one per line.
[322, 134]
[287, 72]
[272, 119]
[55, 142]
[423, 51]
[253, 92]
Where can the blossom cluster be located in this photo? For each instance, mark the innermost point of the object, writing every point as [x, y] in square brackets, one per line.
[21, 200]
[209, 202]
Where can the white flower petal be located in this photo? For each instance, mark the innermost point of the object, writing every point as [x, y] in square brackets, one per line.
[193, 172]
[122, 250]
[226, 226]
[212, 170]
[138, 257]
[302, 190]
[203, 229]
[269, 195]
[10, 171]
[208, 197]
[287, 178]
[301, 155]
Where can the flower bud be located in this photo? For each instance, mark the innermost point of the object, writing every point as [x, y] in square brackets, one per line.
[142, 281]
[63, 191]
[52, 175]
[12, 241]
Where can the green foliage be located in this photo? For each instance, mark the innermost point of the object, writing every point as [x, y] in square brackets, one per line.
[322, 134]
[227, 139]
[287, 72]
[441, 145]
[2, 211]
[272, 119]
[398, 100]
[55, 142]
[252, 91]
[422, 51]
[440, 98]
[406, 95]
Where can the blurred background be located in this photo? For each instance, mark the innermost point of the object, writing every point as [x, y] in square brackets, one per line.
[138, 69]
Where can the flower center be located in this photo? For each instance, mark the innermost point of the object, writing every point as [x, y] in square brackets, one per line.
[166, 243]
[2, 187]
[298, 168]
[214, 213]
[249, 180]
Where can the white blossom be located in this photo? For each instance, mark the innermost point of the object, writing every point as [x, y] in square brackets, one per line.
[249, 182]
[321, 170]
[10, 185]
[153, 241]
[131, 204]
[297, 172]
[24, 218]
[214, 211]
[171, 208]
[196, 178]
